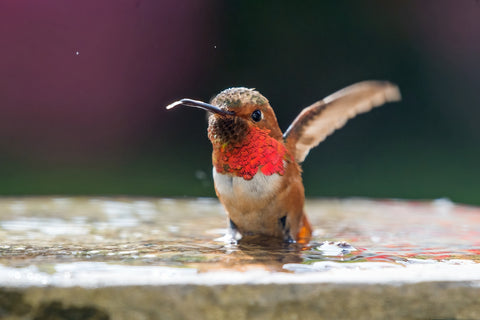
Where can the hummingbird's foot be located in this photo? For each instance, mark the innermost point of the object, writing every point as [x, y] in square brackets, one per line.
[229, 238]
[232, 236]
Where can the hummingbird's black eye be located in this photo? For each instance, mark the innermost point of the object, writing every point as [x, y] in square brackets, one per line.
[257, 115]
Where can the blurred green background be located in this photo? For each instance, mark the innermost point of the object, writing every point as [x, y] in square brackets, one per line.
[83, 85]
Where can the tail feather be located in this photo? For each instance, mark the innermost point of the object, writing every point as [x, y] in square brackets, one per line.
[305, 233]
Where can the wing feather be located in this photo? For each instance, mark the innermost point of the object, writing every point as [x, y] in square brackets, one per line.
[322, 118]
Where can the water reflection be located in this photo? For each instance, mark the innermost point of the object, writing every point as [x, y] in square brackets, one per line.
[182, 233]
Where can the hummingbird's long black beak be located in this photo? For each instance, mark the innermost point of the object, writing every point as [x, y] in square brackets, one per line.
[201, 105]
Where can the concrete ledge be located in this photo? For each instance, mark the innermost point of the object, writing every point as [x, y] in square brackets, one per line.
[431, 300]
[131, 258]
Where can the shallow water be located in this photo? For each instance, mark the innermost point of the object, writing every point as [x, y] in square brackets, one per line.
[49, 240]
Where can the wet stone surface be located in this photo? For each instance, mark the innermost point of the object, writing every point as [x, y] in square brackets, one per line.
[139, 258]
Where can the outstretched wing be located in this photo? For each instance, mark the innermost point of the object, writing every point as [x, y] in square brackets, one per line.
[319, 120]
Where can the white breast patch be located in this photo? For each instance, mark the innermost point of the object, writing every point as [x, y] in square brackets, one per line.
[259, 186]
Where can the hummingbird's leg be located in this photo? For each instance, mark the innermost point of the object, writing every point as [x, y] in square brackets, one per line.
[287, 237]
[232, 232]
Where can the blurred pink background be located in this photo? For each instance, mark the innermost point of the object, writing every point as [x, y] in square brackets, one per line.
[82, 79]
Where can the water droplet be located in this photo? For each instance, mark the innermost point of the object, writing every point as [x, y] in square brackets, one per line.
[200, 175]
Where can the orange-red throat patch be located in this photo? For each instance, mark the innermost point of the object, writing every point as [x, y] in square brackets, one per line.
[257, 151]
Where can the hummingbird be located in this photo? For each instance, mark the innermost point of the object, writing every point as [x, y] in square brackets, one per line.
[257, 167]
